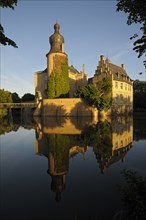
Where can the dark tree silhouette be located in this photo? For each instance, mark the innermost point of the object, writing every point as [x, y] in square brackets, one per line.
[28, 97]
[15, 97]
[136, 10]
[3, 39]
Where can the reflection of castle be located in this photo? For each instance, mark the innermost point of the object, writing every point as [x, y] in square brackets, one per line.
[110, 142]
[120, 142]
[58, 148]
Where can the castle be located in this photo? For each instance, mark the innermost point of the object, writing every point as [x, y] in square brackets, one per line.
[122, 85]
[57, 59]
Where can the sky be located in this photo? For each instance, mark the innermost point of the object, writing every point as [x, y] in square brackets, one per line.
[90, 29]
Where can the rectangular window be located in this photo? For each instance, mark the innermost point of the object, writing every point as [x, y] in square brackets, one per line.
[125, 86]
[121, 85]
[116, 84]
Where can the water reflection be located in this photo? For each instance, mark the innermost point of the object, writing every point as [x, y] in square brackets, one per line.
[75, 161]
[60, 139]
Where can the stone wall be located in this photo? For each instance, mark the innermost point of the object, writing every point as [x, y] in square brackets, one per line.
[40, 82]
[65, 107]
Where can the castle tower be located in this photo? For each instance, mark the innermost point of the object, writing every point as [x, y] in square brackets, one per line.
[57, 66]
[56, 48]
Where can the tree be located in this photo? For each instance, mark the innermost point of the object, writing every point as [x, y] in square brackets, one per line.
[139, 94]
[90, 93]
[15, 97]
[28, 97]
[5, 97]
[97, 96]
[3, 39]
[136, 10]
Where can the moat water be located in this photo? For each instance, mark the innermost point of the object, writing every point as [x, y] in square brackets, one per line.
[67, 168]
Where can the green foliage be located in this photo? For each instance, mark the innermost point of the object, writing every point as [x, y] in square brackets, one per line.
[98, 97]
[65, 77]
[3, 39]
[136, 10]
[5, 126]
[16, 98]
[58, 83]
[106, 85]
[59, 147]
[99, 137]
[134, 195]
[105, 103]
[3, 113]
[28, 97]
[51, 86]
[5, 97]
[8, 3]
[90, 93]
[139, 94]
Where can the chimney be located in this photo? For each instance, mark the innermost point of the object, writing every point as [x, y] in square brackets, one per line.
[123, 66]
[83, 68]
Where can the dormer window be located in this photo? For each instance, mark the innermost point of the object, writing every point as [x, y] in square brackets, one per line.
[118, 75]
[123, 76]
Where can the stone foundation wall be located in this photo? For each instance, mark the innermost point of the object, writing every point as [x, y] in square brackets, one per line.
[65, 107]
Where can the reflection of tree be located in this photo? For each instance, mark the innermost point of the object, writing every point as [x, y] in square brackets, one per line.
[105, 138]
[103, 146]
[97, 135]
[139, 126]
[134, 195]
[7, 126]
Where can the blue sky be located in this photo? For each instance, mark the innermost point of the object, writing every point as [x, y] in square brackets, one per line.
[90, 29]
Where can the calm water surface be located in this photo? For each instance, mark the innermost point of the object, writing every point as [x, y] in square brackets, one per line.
[68, 169]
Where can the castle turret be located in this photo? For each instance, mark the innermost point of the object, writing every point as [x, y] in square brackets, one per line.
[56, 48]
[56, 41]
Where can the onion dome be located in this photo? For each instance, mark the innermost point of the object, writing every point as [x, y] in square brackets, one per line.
[56, 40]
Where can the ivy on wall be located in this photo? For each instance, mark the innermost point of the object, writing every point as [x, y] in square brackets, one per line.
[59, 148]
[58, 83]
[51, 86]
